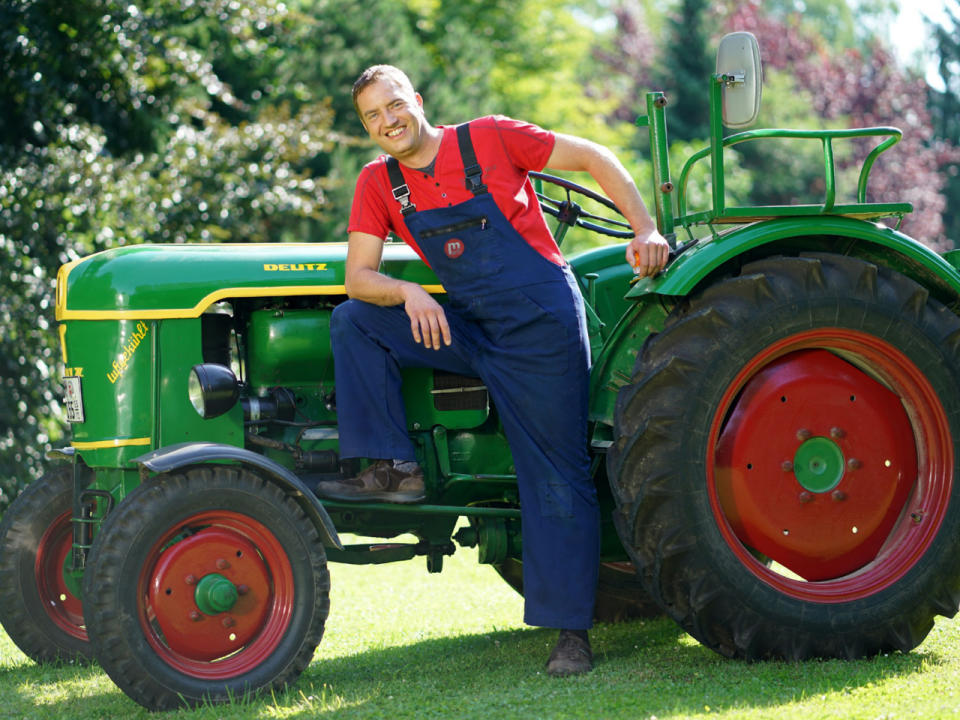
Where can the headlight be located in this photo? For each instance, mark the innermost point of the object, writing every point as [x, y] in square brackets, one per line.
[213, 389]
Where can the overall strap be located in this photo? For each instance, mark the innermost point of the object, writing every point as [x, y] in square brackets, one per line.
[401, 193]
[471, 169]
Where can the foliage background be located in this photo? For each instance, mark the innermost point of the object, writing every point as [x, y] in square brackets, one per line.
[222, 120]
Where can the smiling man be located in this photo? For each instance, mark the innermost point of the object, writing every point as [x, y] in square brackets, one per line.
[461, 197]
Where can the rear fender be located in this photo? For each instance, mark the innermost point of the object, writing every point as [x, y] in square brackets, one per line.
[613, 367]
[694, 268]
[845, 236]
[176, 456]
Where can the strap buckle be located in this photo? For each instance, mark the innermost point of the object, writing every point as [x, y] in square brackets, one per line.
[474, 181]
[401, 194]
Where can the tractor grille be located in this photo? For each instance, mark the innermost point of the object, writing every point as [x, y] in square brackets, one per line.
[458, 392]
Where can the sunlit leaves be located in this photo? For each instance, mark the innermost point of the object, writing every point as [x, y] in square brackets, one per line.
[118, 128]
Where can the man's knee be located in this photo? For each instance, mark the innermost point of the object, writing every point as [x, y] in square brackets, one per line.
[343, 313]
[357, 323]
[352, 316]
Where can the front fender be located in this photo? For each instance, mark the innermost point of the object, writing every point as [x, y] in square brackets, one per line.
[847, 236]
[176, 456]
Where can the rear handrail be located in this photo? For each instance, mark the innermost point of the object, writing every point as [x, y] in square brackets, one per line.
[718, 143]
[893, 136]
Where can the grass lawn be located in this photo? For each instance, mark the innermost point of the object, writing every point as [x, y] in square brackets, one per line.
[402, 643]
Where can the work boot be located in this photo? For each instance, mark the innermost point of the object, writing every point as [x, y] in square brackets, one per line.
[379, 481]
[571, 655]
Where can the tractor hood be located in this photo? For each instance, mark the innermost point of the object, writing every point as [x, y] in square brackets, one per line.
[180, 281]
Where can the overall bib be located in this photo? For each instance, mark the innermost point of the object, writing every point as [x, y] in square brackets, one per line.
[517, 322]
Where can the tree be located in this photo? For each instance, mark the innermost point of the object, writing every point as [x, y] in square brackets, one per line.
[74, 60]
[115, 132]
[625, 58]
[210, 120]
[686, 66]
[822, 68]
[850, 87]
[944, 106]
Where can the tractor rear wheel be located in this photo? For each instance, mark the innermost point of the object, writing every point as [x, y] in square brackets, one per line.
[39, 610]
[620, 595]
[204, 585]
[785, 470]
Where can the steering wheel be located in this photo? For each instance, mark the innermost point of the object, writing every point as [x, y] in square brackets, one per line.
[569, 212]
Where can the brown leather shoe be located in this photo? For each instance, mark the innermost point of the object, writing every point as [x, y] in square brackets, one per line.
[379, 481]
[571, 655]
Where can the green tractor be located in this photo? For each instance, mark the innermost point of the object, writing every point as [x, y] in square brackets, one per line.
[773, 428]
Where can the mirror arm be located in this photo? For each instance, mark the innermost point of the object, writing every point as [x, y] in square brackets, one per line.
[716, 143]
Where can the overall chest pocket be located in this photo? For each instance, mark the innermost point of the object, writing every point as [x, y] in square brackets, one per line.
[468, 248]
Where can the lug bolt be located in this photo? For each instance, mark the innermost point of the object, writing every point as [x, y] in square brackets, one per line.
[787, 465]
[837, 433]
[854, 464]
[805, 497]
[190, 579]
[243, 589]
[838, 495]
[227, 622]
[222, 564]
[194, 615]
[803, 434]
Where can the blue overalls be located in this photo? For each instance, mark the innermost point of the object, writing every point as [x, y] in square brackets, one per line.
[517, 322]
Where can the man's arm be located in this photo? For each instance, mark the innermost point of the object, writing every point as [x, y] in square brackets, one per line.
[364, 281]
[648, 250]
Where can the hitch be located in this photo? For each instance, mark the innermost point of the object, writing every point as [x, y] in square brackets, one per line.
[379, 553]
[497, 538]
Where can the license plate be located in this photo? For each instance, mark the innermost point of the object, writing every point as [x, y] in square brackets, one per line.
[73, 399]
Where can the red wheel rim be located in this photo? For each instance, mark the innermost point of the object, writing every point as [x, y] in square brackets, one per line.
[61, 605]
[204, 642]
[899, 523]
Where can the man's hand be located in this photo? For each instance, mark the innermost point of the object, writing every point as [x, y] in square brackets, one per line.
[648, 253]
[364, 281]
[428, 322]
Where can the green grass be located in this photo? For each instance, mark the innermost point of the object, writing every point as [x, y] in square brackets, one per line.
[401, 643]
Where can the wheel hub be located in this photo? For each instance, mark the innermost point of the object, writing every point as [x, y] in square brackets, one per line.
[818, 464]
[215, 594]
[210, 594]
[815, 464]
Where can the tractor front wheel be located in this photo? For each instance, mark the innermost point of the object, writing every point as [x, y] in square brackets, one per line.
[205, 584]
[785, 468]
[39, 609]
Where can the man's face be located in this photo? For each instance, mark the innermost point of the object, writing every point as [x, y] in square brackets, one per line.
[393, 117]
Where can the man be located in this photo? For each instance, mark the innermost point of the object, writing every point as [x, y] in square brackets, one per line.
[460, 196]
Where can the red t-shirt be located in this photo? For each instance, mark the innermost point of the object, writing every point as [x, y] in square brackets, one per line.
[506, 149]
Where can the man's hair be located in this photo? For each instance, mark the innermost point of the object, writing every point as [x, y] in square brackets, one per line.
[376, 72]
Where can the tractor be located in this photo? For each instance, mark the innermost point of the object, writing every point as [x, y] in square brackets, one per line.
[773, 424]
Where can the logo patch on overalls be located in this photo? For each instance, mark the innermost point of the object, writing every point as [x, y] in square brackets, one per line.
[453, 248]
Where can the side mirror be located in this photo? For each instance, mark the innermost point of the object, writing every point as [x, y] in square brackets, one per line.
[738, 61]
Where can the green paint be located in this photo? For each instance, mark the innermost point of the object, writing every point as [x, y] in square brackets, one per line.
[215, 594]
[818, 465]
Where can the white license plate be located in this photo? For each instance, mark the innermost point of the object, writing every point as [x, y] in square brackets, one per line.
[73, 399]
